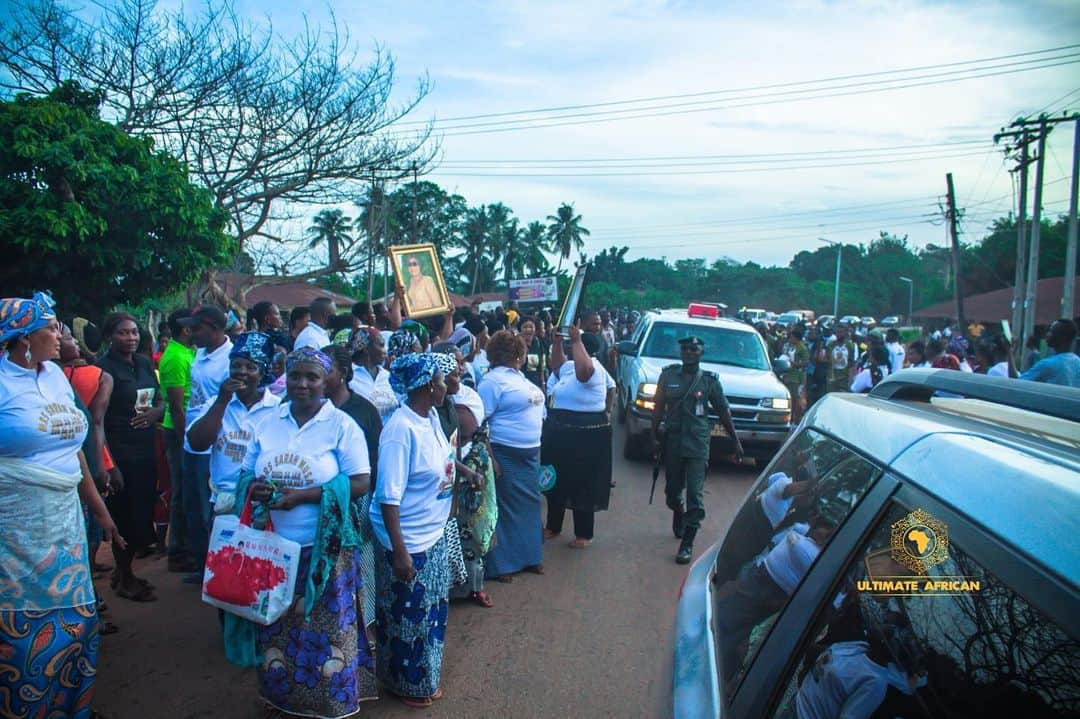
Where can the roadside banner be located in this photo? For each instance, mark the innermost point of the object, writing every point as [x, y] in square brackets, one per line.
[536, 289]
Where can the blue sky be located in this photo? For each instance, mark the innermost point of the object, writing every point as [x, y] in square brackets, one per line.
[510, 56]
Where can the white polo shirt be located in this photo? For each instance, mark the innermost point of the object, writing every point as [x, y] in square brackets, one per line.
[416, 473]
[328, 444]
[514, 406]
[208, 371]
[312, 336]
[567, 392]
[896, 356]
[773, 502]
[376, 390]
[41, 422]
[231, 446]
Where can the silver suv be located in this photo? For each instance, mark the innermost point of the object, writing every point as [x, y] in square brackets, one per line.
[760, 404]
[905, 555]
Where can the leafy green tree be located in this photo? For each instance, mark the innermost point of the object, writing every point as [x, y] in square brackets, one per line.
[97, 216]
[532, 241]
[333, 229]
[565, 233]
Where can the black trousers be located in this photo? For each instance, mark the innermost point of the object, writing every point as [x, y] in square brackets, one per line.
[583, 521]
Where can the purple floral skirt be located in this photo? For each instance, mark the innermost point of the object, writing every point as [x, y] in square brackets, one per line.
[321, 667]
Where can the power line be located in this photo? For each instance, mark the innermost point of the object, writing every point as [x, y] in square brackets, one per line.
[649, 158]
[752, 88]
[639, 173]
[754, 101]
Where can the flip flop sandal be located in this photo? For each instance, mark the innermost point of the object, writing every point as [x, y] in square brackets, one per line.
[580, 543]
[548, 534]
[482, 598]
[107, 627]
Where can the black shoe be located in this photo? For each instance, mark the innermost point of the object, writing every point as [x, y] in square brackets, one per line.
[685, 553]
[686, 547]
[677, 523]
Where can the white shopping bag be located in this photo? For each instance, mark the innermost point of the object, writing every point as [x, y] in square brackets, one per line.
[249, 572]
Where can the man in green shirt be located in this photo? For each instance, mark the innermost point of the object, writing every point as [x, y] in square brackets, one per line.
[174, 374]
[841, 360]
[795, 378]
[685, 395]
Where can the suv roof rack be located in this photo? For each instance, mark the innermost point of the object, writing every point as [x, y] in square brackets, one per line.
[921, 384]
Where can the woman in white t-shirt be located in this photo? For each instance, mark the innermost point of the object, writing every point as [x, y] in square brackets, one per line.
[45, 584]
[310, 463]
[577, 436]
[515, 410]
[876, 369]
[409, 512]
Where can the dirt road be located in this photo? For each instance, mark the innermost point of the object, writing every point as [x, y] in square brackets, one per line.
[590, 638]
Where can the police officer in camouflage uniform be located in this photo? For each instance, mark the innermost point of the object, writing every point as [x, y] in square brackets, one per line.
[685, 396]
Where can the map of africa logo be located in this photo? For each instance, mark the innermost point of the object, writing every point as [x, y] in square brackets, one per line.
[919, 541]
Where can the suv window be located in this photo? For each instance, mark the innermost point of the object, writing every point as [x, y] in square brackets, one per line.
[977, 654]
[778, 534]
[722, 345]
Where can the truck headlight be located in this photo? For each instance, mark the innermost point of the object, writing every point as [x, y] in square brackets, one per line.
[776, 402]
[647, 389]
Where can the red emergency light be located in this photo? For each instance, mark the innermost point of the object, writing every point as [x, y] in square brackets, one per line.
[698, 309]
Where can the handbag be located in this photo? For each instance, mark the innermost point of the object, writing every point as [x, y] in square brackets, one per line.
[455, 557]
[250, 572]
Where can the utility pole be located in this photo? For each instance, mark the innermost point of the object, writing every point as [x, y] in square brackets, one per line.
[958, 290]
[1036, 225]
[1068, 300]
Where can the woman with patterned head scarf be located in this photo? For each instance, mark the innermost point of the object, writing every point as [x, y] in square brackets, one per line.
[306, 467]
[370, 379]
[48, 611]
[225, 424]
[409, 512]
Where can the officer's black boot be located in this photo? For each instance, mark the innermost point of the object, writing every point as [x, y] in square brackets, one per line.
[677, 522]
[686, 548]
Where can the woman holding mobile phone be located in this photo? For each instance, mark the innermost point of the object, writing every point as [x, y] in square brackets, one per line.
[135, 407]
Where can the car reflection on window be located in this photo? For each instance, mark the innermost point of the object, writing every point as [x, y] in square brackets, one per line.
[973, 654]
[775, 540]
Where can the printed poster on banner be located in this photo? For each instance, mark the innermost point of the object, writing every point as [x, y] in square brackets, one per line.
[536, 289]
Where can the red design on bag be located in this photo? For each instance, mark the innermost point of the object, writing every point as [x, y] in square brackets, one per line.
[238, 578]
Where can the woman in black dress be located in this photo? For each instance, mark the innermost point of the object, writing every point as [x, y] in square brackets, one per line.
[535, 368]
[134, 410]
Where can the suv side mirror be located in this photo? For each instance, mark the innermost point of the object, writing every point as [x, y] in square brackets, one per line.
[781, 364]
[626, 347]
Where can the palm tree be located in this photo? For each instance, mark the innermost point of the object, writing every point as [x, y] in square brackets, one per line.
[533, 242]
[564, 233]
[475, 243]
[331, 227]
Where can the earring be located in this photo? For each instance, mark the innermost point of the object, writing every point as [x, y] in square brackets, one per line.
[29, 355]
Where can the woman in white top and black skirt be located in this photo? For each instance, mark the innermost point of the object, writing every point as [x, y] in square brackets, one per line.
[577, 436]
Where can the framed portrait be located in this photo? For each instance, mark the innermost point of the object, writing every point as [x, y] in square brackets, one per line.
[572, 303]
[416, 268]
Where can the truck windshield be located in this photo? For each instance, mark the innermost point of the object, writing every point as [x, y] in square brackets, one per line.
[722, 345]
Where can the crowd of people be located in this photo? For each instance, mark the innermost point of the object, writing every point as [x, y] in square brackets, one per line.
[405, 457]
[840, 358]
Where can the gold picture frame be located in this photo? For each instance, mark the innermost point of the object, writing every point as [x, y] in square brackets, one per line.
[425, 293]
[573, 302]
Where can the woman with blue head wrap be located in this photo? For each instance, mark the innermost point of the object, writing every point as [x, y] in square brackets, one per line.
[46, 590]
[308, 464]
[402, 342]
[223, 424]
[409, 512]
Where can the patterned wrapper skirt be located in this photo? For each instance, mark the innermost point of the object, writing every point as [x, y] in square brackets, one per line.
[321, 667]
[519, 534]
[48, 662]
[411, 622]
